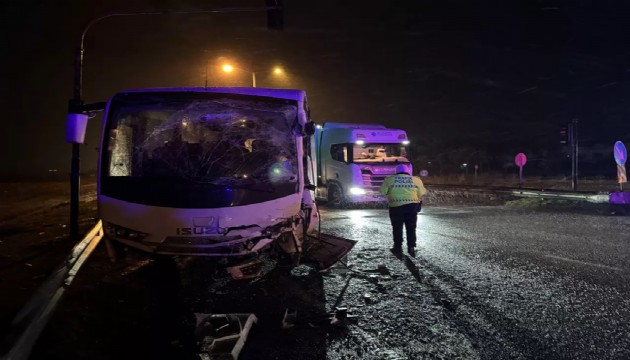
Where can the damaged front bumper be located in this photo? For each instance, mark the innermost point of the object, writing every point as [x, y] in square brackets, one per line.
[241, 248]
[241, 241]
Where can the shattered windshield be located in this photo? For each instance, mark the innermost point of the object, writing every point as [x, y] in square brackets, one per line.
[218, 139]
[368, 153]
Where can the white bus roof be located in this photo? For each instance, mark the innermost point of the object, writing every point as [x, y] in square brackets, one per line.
[289, 94]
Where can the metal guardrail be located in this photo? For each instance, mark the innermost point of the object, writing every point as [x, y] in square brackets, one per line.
[593, 197]
[29, 323]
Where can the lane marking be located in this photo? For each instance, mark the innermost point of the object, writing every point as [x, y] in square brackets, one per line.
[584, 263]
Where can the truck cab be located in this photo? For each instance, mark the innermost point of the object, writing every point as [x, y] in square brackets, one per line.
[353, 160]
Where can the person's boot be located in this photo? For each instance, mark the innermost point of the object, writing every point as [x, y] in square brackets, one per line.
[396, 250]
[411, 251]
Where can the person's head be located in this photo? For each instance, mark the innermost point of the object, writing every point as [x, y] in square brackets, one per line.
[403, 169]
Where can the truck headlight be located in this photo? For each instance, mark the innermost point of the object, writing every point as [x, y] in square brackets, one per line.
[357, 191]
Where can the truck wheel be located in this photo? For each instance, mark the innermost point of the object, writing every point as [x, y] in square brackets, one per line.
[335, 197]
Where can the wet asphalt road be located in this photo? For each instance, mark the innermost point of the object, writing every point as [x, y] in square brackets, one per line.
[493, 283]
[488, 282]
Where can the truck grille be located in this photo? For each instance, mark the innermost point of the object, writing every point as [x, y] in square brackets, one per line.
[372, 182]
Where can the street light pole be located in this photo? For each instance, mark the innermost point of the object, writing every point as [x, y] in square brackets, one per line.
[206, 84]
[75, 105]
[253, 79]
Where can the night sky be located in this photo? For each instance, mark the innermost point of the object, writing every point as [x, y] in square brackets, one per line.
[495, 77]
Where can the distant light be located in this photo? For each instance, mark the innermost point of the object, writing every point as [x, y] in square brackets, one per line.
[406, 142]
[227, 68]
[357, 191]
[318, 126]
[464, 164]
[359, 142]
[184, 123]
[277, 70]
[276, 171]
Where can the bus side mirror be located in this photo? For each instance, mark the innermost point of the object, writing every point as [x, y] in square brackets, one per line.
[76, 125]
[77, 119]
[309, 128]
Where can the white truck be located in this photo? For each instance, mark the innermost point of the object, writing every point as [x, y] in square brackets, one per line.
[354, 159]
[221, 172]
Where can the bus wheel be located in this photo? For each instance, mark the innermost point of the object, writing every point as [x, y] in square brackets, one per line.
[335, 197]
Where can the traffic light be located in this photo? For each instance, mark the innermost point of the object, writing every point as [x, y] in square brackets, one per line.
[564, 135]
[275, 14]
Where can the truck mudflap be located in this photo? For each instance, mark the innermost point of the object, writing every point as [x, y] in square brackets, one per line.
[323, 251]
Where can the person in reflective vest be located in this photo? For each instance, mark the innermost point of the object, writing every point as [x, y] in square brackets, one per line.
[404, 197]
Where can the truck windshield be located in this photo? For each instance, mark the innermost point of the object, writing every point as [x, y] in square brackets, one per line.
[199, 148]
[368, 153]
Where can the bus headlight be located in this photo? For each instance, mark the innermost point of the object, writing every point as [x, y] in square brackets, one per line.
[357, 191]
[123, 232]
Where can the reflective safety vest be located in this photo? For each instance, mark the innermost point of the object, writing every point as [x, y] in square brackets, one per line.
[402, 189]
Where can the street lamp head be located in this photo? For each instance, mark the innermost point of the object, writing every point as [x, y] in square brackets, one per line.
[277, 71]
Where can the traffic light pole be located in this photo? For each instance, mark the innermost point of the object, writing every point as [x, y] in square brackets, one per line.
[275, 21]
[573, 133]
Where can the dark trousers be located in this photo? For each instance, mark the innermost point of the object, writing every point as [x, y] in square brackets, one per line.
[406, 215]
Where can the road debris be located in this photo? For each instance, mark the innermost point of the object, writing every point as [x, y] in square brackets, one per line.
[339, 317]
[222, 336]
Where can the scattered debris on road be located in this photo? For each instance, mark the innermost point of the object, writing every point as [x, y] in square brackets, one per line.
[222, 336]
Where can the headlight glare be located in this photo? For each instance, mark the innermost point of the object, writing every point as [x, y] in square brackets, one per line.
[357, 191]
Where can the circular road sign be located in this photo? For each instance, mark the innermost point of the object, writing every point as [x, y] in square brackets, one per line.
[620, 153]
[520, 159]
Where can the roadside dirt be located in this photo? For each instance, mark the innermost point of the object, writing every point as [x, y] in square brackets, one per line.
[34, 236]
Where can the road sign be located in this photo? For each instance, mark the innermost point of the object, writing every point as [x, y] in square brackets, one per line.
[520, 159]
[620, 154]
